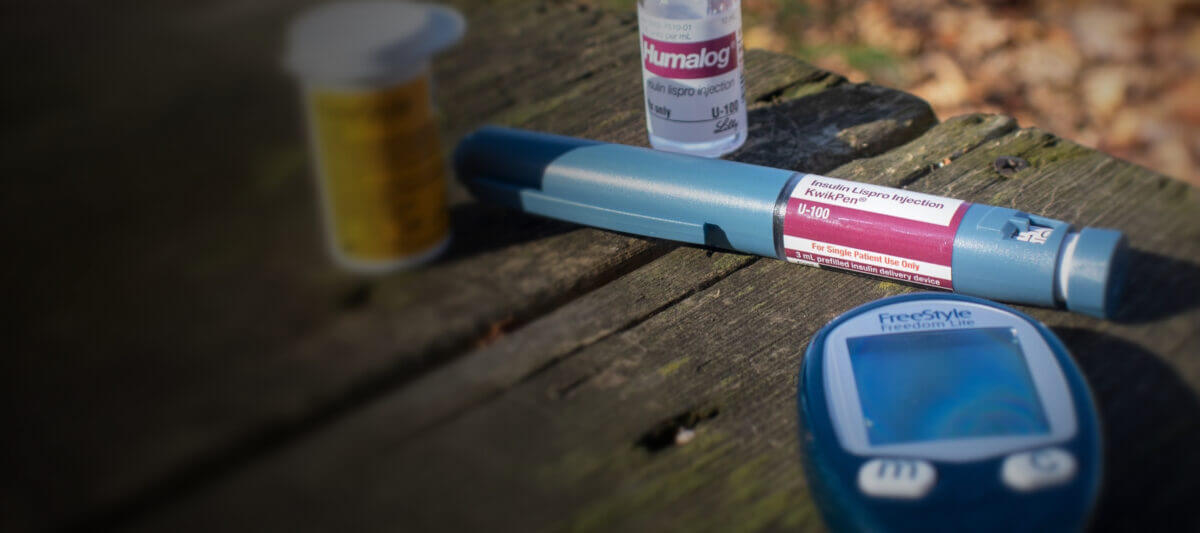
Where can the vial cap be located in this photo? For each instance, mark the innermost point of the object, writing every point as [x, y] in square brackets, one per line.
[364, 41]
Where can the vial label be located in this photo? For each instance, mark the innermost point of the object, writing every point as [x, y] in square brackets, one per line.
[881, 231]
[692, 75]
[381, 170]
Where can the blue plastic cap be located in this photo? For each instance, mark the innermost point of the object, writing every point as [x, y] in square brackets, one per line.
[1095, 266]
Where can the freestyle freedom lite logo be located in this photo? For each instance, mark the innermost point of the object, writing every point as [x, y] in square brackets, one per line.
[926, 315]
[925, 319]
[703, 59]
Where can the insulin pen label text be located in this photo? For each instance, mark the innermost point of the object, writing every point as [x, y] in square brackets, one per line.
[881, 231]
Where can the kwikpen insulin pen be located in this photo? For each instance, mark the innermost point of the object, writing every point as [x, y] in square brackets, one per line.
[928, 240]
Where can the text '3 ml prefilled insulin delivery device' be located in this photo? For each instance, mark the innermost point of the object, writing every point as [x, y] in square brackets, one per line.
[941, 412]
[922, 239]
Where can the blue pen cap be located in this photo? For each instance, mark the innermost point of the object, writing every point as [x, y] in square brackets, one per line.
[625, 188]
[1094, 271]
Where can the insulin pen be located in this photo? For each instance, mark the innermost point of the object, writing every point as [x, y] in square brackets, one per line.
[932, 241]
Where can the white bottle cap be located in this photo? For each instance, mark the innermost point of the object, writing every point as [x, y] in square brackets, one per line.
[356, 42]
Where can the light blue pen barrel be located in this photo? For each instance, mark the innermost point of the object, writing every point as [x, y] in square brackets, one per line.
[922, 239]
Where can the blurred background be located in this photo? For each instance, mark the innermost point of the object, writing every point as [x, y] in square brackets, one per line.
[1122, 76]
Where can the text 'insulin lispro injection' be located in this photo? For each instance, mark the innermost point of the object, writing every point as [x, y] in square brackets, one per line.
[692, 75]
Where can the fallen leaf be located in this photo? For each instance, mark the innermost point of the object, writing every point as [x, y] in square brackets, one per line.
[1103, 90]
[1106, 32]
[1184, 99]
[982, 33]
[1053, 61]
[948, 86]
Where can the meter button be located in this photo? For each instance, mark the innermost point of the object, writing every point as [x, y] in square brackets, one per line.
[1038, 469]
[896, 478]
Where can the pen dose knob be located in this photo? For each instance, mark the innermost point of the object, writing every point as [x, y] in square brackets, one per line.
[1094, 268]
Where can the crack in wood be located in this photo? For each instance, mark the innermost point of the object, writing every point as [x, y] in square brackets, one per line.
[956, 154]
[675, 431]
[567, 390]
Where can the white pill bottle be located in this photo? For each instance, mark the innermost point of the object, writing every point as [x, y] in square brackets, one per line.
[692, 75]
[365, 72]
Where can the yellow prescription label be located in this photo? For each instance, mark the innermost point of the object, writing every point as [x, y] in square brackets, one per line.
[382, 167]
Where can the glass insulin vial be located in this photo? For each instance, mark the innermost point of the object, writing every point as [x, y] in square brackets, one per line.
[364, 72]
[692, 75]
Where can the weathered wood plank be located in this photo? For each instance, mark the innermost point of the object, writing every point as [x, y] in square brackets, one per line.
[494, 368]
[896, 117]
[279, 342]
[424, 322]
[588, 443]
[569, 449]
[1142, 367]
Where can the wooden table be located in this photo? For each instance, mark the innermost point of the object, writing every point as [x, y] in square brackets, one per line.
[187, 360]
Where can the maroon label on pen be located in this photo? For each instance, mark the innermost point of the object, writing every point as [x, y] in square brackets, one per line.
[875, 230]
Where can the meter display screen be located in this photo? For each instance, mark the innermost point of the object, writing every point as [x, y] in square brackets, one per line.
[947, 384]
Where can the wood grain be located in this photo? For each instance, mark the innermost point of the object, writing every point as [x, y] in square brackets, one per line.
[600, 440]
[262, 340]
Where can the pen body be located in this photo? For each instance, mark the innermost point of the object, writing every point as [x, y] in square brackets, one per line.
[917, 238]
[685, 198]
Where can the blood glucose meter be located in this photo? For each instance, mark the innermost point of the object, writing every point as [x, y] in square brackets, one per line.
[942, 412]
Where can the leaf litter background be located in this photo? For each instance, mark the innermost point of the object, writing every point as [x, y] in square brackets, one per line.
[1122, 76]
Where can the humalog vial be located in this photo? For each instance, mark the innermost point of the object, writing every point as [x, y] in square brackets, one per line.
[364, 71]
[692, 75]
